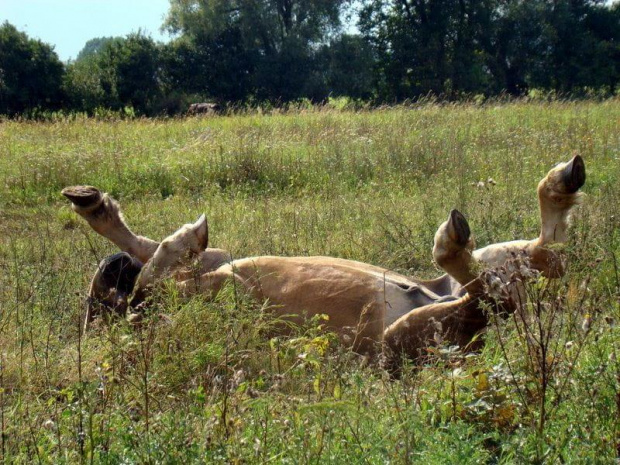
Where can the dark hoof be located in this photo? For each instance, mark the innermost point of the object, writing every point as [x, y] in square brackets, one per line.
[111, 286]
[83, 196]
[458, 228]
[574, 174]
[119, 271]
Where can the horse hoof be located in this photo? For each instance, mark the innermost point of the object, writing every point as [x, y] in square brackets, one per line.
[574, 174]
[458, 228]
[83, 196]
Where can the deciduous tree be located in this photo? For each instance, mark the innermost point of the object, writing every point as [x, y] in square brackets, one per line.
[30, 73]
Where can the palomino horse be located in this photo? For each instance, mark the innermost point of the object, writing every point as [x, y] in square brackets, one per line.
[365, 304]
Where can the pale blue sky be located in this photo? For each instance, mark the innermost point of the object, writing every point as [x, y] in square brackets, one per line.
[68, 24]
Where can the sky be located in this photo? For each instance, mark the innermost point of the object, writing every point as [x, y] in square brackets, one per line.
[69, 24]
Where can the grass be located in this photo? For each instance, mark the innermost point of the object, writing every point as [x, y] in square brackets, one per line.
[371, 186]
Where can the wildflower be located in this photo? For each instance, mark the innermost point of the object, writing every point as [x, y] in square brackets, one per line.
[587, 322]
[49, 424]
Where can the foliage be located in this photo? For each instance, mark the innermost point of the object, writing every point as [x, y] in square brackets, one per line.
[450, 47]
[346, 67]
[266, 45]
[30, 73]
[266, 24]
[205, 381]
[428, 46]
[122, 72]
[216, 67]
[94, 46]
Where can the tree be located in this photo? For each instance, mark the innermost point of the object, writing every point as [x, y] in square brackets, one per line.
[94, 46]
[265, 24]
[82, 84]
[349, 67]
[30, 73]
[273, 41]
[581, 33]
[123, 72]
[135, 61]
[517, 46]
[428, 45]
[452, 47]
[218, 67]
[604, 24]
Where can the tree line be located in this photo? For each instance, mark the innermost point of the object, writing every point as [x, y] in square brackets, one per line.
[252, 51]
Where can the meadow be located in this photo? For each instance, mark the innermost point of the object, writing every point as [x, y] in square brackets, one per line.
[205, 385]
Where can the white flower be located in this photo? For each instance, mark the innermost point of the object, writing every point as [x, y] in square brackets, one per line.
[587, 322]
[49, 424]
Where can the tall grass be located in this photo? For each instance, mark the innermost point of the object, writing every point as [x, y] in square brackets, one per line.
[209, 385]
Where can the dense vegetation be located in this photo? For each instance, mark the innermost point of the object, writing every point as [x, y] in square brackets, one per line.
[250, 52]
[205, 384]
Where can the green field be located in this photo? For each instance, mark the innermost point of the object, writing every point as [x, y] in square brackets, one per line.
[373, 186]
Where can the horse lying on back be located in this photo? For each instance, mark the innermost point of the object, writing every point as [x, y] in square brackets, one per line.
[365, 304]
